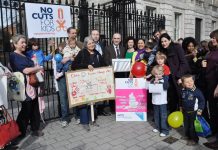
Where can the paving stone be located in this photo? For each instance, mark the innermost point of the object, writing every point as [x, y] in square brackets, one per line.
[117, 141]
[177, 145]
[90, 139]
[77, 144]
[103, 140]
[119, 147]
[130, 142]
[90, 146]
[48, 141]
[105, 146]
[110, 135]
[60, 143]
[145, 144]
[135, 147]
[130, 136]
[161, 145]
[144, 137]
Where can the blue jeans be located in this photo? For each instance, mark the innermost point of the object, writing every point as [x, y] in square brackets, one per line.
[63, 99]
[160, 118]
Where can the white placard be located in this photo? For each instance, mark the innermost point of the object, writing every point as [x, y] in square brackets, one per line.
[155, 88]
[121, 65]
[44, 21]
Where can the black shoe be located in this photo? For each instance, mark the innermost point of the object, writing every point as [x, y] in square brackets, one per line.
[191, 143]
[95, 124]
[212, 145]
[106, 113]
[37, 133]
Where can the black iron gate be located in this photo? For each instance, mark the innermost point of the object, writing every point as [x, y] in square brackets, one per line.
[118, 16]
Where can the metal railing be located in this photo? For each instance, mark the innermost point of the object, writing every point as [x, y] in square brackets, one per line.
[118, 16]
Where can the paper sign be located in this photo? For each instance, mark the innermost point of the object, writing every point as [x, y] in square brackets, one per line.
[85, 86]
[44, 21]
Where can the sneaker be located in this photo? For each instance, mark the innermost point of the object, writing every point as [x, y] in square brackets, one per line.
[87, 127]
[64, 124]
[162, 135]
[155, 130]
[77, 121]
[37, 133]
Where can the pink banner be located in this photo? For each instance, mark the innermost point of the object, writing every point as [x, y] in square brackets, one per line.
[131, 100]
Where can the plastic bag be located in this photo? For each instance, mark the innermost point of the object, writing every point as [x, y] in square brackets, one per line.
[202, 128]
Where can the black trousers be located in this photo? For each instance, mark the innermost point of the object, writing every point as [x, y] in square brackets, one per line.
[174, 95]
[213, 106]
[189, 119]
[29, 114]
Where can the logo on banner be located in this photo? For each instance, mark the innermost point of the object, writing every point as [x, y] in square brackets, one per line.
[131, 83]
[46, 17]
[61, 22]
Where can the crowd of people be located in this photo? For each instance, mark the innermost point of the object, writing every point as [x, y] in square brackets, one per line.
[187, 69]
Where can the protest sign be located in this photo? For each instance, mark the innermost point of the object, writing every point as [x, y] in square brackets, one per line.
[44, 20]
[85, 86]
[131, 99]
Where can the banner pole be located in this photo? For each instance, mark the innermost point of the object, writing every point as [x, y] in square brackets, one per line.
[92, 112]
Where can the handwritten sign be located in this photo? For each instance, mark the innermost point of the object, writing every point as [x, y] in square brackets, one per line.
[86, 86]
[45, 20]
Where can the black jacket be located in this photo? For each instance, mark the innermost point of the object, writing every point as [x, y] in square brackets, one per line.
[83, 59]
[176, 60]
[192, 97]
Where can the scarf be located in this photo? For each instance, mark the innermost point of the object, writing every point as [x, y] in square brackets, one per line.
[140, 54]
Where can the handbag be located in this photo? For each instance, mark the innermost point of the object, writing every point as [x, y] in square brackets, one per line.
[33, 80]
[9, 129]
[16, 87]
[202, 128]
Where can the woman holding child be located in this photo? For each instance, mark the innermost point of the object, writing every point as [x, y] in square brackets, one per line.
[178, 67]
[30, 108]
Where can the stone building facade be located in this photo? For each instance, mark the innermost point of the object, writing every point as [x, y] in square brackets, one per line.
[196, 18]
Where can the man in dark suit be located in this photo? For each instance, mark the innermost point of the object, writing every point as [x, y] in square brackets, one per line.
[115, 50]
[99, 46]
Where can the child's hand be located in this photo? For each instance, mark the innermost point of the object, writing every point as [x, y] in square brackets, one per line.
[64, 60]
[199, 113]
[51, 43]
[130, 75]
[156, 81]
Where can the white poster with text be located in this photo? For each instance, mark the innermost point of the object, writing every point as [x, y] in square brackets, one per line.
[44, 21]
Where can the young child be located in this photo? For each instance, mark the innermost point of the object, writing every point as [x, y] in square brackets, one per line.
[159, 101]
[161, 59]
[69, 52]
[38, 58]
[193, 103]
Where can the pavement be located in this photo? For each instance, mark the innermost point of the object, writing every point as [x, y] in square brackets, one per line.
[111, 135]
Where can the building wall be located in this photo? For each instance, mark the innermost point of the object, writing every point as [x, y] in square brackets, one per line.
[186, 11]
